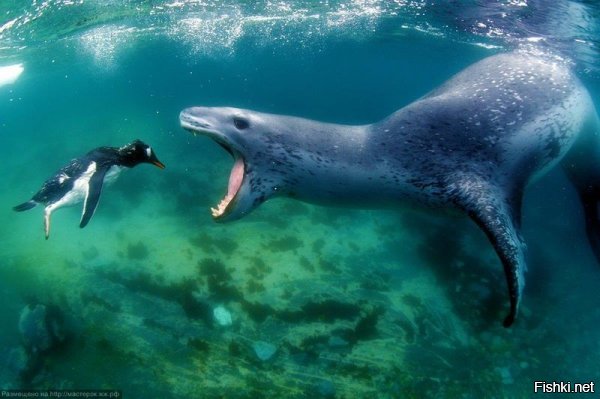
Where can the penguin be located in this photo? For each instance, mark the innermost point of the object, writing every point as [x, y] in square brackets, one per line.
[82, 178]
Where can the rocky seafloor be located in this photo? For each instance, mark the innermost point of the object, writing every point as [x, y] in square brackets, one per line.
[294, 301]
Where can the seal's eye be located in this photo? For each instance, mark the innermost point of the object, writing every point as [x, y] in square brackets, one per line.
[240, 123]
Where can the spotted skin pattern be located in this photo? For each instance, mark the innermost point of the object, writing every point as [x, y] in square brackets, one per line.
[473, 145]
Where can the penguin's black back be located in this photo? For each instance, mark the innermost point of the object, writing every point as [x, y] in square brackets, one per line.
[57, 186]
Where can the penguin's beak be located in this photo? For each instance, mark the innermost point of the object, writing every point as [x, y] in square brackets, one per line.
[157, 163]
[154, 161]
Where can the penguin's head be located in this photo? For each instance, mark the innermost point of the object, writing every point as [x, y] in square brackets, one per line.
[138, 152]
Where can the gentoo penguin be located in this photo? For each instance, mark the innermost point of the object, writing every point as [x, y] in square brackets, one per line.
[82, 179]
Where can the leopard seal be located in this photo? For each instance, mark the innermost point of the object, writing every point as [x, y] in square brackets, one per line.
[473, 145]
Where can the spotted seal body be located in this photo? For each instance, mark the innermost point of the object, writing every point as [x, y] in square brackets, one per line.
[473, 144]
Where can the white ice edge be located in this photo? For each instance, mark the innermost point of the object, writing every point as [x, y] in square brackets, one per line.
[10, 73]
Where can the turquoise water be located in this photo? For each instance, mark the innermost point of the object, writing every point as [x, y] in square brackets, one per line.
[357, 303]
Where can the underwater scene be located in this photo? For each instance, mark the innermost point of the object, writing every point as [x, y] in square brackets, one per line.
[291, 298]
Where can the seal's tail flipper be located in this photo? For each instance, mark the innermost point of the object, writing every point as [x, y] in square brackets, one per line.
[498, 214]
[25, 206]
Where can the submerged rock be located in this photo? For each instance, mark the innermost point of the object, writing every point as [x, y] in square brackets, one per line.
[33, 328]
[325, 389]
[222, 316]
[337, 342]
[42, 327]
[17, 360]
[264, 350]
[505, 374]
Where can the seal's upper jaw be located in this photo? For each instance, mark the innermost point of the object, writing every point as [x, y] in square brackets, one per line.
[197, 120]
[212, 123]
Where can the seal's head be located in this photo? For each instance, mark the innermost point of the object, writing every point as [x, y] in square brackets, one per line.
[245, 135]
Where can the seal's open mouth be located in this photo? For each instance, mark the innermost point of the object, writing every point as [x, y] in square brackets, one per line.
[236, 178]
[198, 126]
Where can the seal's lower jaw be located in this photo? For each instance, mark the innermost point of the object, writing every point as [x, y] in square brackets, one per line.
[236, 178]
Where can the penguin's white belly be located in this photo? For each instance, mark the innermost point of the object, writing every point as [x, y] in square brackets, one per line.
[78, 193]
[112, 174]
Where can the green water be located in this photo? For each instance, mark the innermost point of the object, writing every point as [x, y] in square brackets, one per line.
[404, 303]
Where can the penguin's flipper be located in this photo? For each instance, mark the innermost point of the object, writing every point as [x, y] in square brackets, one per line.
[497, 213]
[92, 196]
[25, 206]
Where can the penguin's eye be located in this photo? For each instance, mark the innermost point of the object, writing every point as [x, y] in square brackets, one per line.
[148, 152]
[240, 123]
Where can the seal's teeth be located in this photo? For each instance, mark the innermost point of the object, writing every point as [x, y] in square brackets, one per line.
[220, 209]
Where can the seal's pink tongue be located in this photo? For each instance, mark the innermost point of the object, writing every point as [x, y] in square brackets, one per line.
[235, 182]
[236, 177]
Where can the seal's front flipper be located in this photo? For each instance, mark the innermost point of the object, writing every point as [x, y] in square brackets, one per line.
[497, 214]
[92, 196]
